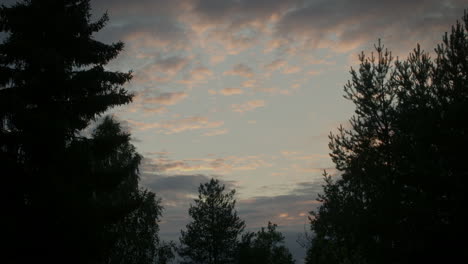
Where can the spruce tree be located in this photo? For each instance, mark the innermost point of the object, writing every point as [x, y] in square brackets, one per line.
[212, 236]
[53, 83]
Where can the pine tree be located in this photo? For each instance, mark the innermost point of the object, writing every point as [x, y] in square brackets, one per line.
[53, 83]
[212, 236]
[401, 192]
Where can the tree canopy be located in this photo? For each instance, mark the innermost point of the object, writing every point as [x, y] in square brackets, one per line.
[212, 236]
[401, 190]
[264, 247]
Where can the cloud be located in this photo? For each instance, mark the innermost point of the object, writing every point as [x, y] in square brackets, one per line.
[165, 98]
[155, 110]
[240, 12]
[314, 72]
[231, 91]
[226, 164]
[275, 65]
[154, 105]
[140, 33]
[292, 69]
[170, 166]
[287, 210]
[250, 83]
[178, 125]
[172, 65]
[274, 90]
[187, 184]
[248, 106]
[241, 70]
[343, 25]
[235, 25]
[161, 70]
[177, 192]
[140, 7]
[227, 91]
[189, 123]
[197, 75]
[279, 64]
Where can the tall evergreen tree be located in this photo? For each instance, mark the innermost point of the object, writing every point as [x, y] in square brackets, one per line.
[401, 192]
[212, 236]
[52, 85]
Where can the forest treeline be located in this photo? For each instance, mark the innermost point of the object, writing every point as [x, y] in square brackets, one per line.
[402, 190]
[74, 197]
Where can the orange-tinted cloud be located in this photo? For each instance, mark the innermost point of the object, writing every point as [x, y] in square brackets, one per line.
[231, 91]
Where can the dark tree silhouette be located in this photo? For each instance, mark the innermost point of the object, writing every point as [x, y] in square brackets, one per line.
[52, 85]
[136, 235]
[131, 233]
[264, 247]
[212, 236]
[403, 181]
[165, 252]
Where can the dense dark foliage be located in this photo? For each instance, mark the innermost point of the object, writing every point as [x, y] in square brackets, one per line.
[212, 236]
[402, 190]
[264, 247]
[70, 199]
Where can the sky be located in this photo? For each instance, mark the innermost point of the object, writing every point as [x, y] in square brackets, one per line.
[247, 92]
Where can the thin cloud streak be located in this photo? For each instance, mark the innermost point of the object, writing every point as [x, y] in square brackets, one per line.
[178, 125]
[248, 106]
